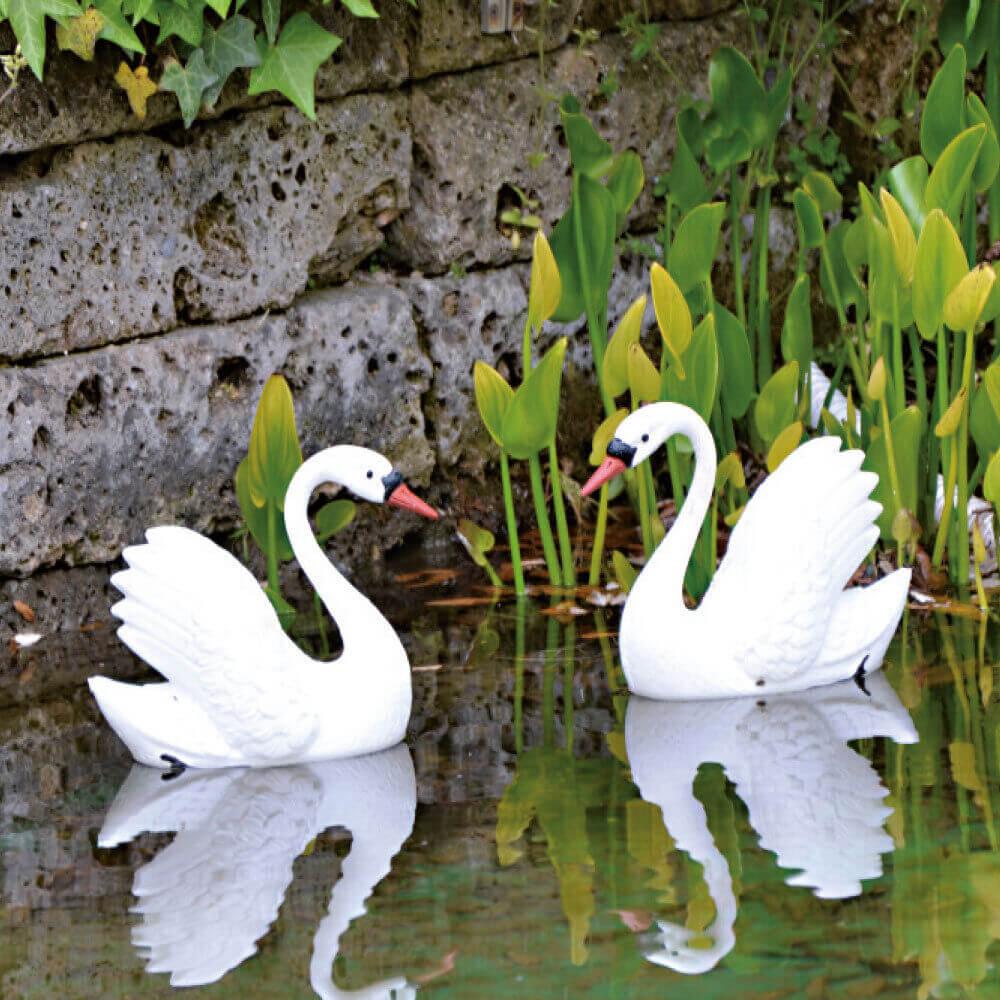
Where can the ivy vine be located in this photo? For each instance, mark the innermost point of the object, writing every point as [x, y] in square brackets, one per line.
[196, 45]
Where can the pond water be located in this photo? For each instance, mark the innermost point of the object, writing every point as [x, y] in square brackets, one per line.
[539, 836]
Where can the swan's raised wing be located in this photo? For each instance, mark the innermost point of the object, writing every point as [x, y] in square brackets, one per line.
[201, 619]
[801, 537]
[208, 897]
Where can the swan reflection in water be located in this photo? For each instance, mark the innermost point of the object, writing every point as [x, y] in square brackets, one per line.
[815, 803]
[208, 897]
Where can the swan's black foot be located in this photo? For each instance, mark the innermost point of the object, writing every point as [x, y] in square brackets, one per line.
[859, 677]
[176, 769]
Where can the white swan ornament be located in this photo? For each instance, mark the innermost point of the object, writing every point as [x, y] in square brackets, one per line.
[776, 616]
[814, 802]
[209, 896]
[239, 691]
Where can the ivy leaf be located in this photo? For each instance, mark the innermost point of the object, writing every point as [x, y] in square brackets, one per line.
[290, 66]
[137, 86]
[27, 18]
[116, 28]
[185, 22]
[228, 48]
[271, 12]
[360, 8]
[188, 83]
[79, 34]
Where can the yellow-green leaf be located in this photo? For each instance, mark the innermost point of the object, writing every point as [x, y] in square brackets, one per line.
[137, 86]
[79, 34]
[476, 540]
[546, 286]
[530, 422]
[672, 315]
[964, 305]
[784, 444]
[643, 378]
[274, 453]
[938, 267]
[625, 572]
[951, 417]
[877, 380]
[615, 364]
[991, 481]
[775, 406]
[730, 472]
[333, 517]
[904, 243]
[603, 435]
[493, 396]
[963, 765]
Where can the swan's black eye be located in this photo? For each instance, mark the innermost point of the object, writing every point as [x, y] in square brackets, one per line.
[645, 438]
[370, 473]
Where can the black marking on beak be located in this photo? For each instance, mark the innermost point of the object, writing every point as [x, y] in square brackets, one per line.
[622, 451]
[391, 482]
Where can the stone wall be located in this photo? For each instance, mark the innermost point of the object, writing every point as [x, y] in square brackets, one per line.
[152, 277]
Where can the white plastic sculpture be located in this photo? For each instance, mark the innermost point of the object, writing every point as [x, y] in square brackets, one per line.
[207, 898]
[239, 691]
[776, 616]
[813, 801]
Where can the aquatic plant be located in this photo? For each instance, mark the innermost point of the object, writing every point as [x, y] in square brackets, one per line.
[523, 423]
[262, 478]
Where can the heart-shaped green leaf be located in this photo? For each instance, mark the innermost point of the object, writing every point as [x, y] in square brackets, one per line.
[589, 153]
[255, 518]
[672, 314]
[530, 421]
[701, 364]
[952, 174]
[908, 182]
[493, 398]
[907, 433]
[938, 267]
[776, 404]
[625, 182]
[615, 365]
[695, 246]
[735, 363]
[334, 517]
[796, 331]
[738, 99]
[274, 453]
[810, 220]
[943, 117]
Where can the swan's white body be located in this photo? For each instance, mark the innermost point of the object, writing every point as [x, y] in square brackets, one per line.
[208, 897]
[239, 691]
[776, 616]
[813, 801]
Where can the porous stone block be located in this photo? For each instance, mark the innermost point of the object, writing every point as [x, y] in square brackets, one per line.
[106, 241]
[603, 15]
[79, 100]
[447, 35]
[96, 447]
[474, 135]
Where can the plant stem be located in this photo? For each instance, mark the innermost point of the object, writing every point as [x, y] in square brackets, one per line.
[272, 549]
[962, 522]
[736, 245]
[647, 529]
[508, 506]
[324, 643]
[526, 349]
[890, 452]
[542, 516]
[597, 552]
[899, 373]
[565, 546]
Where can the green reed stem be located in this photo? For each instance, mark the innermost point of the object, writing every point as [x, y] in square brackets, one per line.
[558, 504]
[736, 244]
[899, 372]
[511, 515]
[324, 642]
[890, 452]
[949, 493]
[645, 526]
[273, 580]
[962, 522]
[542, 517]
[597, 552]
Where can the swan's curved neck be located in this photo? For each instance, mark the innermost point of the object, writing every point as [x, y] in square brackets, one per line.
[664, 573]
[359, 621]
